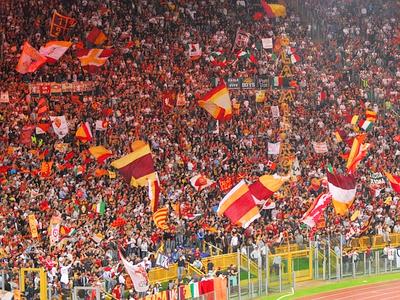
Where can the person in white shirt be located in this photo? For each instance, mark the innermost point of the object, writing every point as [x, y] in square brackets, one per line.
[64, 270]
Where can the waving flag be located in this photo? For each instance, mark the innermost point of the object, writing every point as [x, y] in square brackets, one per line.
[394, 181]
[84, 134]
[365, 125]
[100, 153]
[160, 218]
[154, 193]
[53, 50]
[30, 60]
[60, 126]
[200, 182]
[370, 115]
[218, 103]
[92, 59]
[138, 166]
[273, 10]
[96, 36]
[137, 273]
[266, 186]
[357, 153]
[60, 24]
[343, 191]
[195, 51]
[239, 206]
[316, 210]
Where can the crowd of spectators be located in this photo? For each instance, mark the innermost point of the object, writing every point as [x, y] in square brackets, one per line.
[354, 61]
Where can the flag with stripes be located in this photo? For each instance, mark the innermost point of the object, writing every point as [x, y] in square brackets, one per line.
[160, 218]
[343, 191]
[316, 210]
[239, 206]
[138, 166]
[357, 153]
[42, 107]
[217, 103]
[83, 133]
[96, 36]
[394, 181]
[266, 186]
[100, 153]
[154, 193]
[92, 59]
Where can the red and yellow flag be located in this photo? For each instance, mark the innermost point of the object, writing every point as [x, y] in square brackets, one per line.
[394, 181]
[217, 103]
[137, 167]
[83, 133]
[30, 60]
[100, 153]
[160, 218]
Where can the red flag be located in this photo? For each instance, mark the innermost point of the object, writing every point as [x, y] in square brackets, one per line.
[30, 60]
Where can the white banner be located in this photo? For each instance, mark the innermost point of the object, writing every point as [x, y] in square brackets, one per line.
[275, 111]
[320, 147]
[4, 97]
[398, 258]
[267, 43]
[274, 148]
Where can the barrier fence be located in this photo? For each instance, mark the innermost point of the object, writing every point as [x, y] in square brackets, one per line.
[262, 274]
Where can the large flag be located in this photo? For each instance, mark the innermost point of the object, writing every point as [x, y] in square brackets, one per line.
[60, 24]
[273, 10]
[217, 103]
[30, 60]
[60, 126]
[394, 181]
[53, 50]
[96, 36]
[137, 273]
[83, 133]
[100, 153]
[357, 153]
[239, 206]
[343, 191]
[320, 147]
[313, 214]
[138, 166]
[154, 193]
[200, 182]
[266, 186]
[92, 59]
[160, 218]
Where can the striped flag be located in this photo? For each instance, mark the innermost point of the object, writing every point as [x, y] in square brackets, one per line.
[239, 206]
[273, 10]
[370, 115]
[96, 36]
[53, 50]
[394, 181]
[316, 210]
[160, 218]
[83, 133]
[42, 107]
[154, 193]
[101, 207]
[278, 81]
[365, 125]
[266, 186]
[343, 191]
[357, 153]
[100, 153]
[217, 103]
[294, 58]
[138, 166]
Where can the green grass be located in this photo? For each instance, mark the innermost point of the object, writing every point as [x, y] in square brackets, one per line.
[327, 286]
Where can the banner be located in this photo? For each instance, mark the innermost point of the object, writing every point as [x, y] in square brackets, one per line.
[274, 148]
[275, 112]
[242, 39]
[233, 83]
[54, 230]
[248, 83]
[377, 178]
[32, 226]
[162, 261]
[263, 83]
[320, 147]
[267, 43]
[260, 96]
[39, 88]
